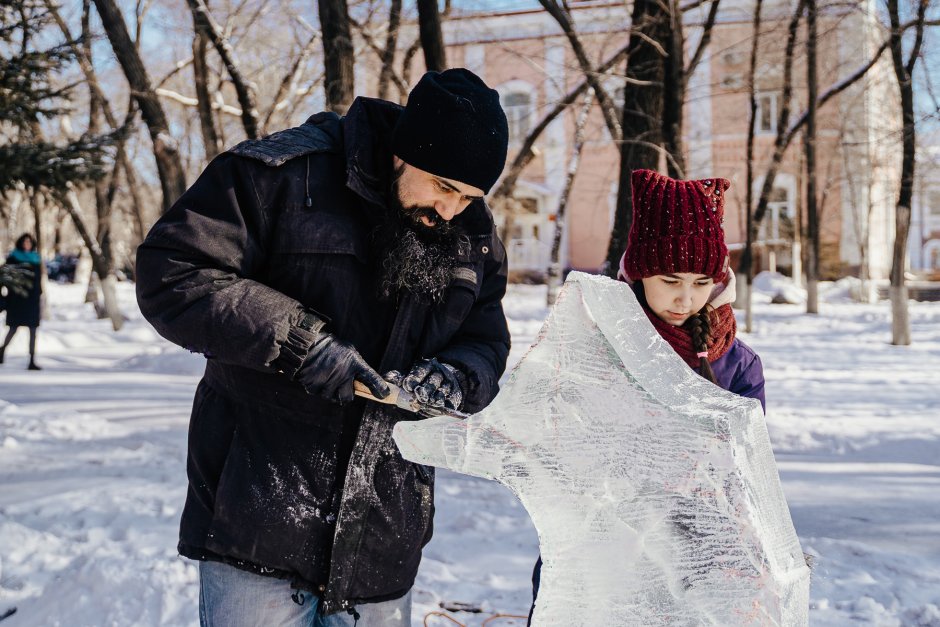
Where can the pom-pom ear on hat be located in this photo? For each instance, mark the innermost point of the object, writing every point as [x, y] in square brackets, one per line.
[677, 227]
[453, 126]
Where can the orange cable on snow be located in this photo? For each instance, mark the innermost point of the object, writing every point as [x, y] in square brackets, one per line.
[442, 614]
[489, 619]
[498, 616]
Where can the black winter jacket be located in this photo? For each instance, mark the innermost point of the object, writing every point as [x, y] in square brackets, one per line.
[282, 482]
[24, 311]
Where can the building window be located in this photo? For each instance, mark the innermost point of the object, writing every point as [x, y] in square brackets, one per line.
[933, 255]
[777, 226]
[518, 108]
[934, 208]
[766, 120]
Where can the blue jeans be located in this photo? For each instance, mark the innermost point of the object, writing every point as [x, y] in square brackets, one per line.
[230, 597]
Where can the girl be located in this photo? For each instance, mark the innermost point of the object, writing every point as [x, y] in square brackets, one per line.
[675, 257]
[23, 311]
[676, 262]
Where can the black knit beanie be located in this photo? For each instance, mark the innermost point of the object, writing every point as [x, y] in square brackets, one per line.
[453, 126]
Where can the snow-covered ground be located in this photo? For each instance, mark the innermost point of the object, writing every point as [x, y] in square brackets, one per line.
[92, 475]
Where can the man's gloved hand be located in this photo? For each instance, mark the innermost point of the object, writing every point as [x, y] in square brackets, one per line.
[433, 383]
[330, 368]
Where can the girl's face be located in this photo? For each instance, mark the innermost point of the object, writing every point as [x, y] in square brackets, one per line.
[28, 244]
[676, 297]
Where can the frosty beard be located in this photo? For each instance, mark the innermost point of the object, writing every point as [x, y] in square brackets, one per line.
[417, 257]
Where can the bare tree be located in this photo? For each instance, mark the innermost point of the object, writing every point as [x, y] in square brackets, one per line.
[432, 39]
[554, 267]
[526, 152]
[210, 136]
[745, 294]
[165, 149]
[642, 116]
[809, 138]
[386, 55]
[205, 25]
[904, 70]
[780, 143]
[391, 43]
[562, 15]
[338, 53]
[102, 254]
[652, 114]
[121, 160]
[99, 262]
[786, 134]
[287, 88]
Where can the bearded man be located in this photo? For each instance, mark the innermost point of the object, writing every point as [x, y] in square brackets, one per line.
[298, 263]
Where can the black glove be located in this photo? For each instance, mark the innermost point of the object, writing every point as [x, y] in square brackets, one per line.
[432, 382]
[330, 368]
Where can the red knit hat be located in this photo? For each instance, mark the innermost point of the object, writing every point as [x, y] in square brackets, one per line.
[676, 227]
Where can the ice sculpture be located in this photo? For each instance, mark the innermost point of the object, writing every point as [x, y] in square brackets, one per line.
[655, 493]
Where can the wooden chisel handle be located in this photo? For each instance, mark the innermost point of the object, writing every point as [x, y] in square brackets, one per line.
[363, 391]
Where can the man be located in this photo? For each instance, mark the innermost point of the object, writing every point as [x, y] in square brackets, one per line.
[299, 263]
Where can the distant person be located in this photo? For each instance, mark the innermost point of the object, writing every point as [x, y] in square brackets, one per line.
[300, 263]
[676, 262]
[23, 311]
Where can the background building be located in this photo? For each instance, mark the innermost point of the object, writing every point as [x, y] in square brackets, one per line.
[527, 58]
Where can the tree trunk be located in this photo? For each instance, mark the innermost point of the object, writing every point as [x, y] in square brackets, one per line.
[246, 98]
[674, 91]
[812, 209]
[165, 149]
[339, 81]
[785, 135]
[103, 199]
[391, 43]
[210, 138]
[744, 297]
[121, 160]
[642, 115]
[554, 267]
[98, 262]
[900, 317]
[432, 39]
[746, 267]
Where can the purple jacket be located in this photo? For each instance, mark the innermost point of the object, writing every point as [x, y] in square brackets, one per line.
[740, 371]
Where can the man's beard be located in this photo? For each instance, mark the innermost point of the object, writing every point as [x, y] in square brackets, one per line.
[416, 257]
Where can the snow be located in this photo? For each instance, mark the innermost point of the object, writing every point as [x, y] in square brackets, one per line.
[92, 471]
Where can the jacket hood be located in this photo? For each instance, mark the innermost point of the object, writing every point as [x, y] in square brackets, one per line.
[367, 129]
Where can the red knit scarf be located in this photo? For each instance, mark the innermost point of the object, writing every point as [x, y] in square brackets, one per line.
[723, 330]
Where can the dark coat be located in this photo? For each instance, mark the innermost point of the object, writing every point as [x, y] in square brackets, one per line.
[23, 311]
[282, 482]
[740, 371]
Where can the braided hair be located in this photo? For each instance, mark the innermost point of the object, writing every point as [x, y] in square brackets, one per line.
[700, 328]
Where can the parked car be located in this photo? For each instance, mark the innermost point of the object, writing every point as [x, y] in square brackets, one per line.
[62, 268]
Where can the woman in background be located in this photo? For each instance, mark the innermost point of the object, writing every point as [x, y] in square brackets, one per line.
[23, 311]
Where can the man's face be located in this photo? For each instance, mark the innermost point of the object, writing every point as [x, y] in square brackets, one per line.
[431, 200]
[676, 297]
[422, 247]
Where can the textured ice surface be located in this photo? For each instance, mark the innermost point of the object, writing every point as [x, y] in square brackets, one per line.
[655, 493]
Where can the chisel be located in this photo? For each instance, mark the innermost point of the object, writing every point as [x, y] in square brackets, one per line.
[403, 399]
